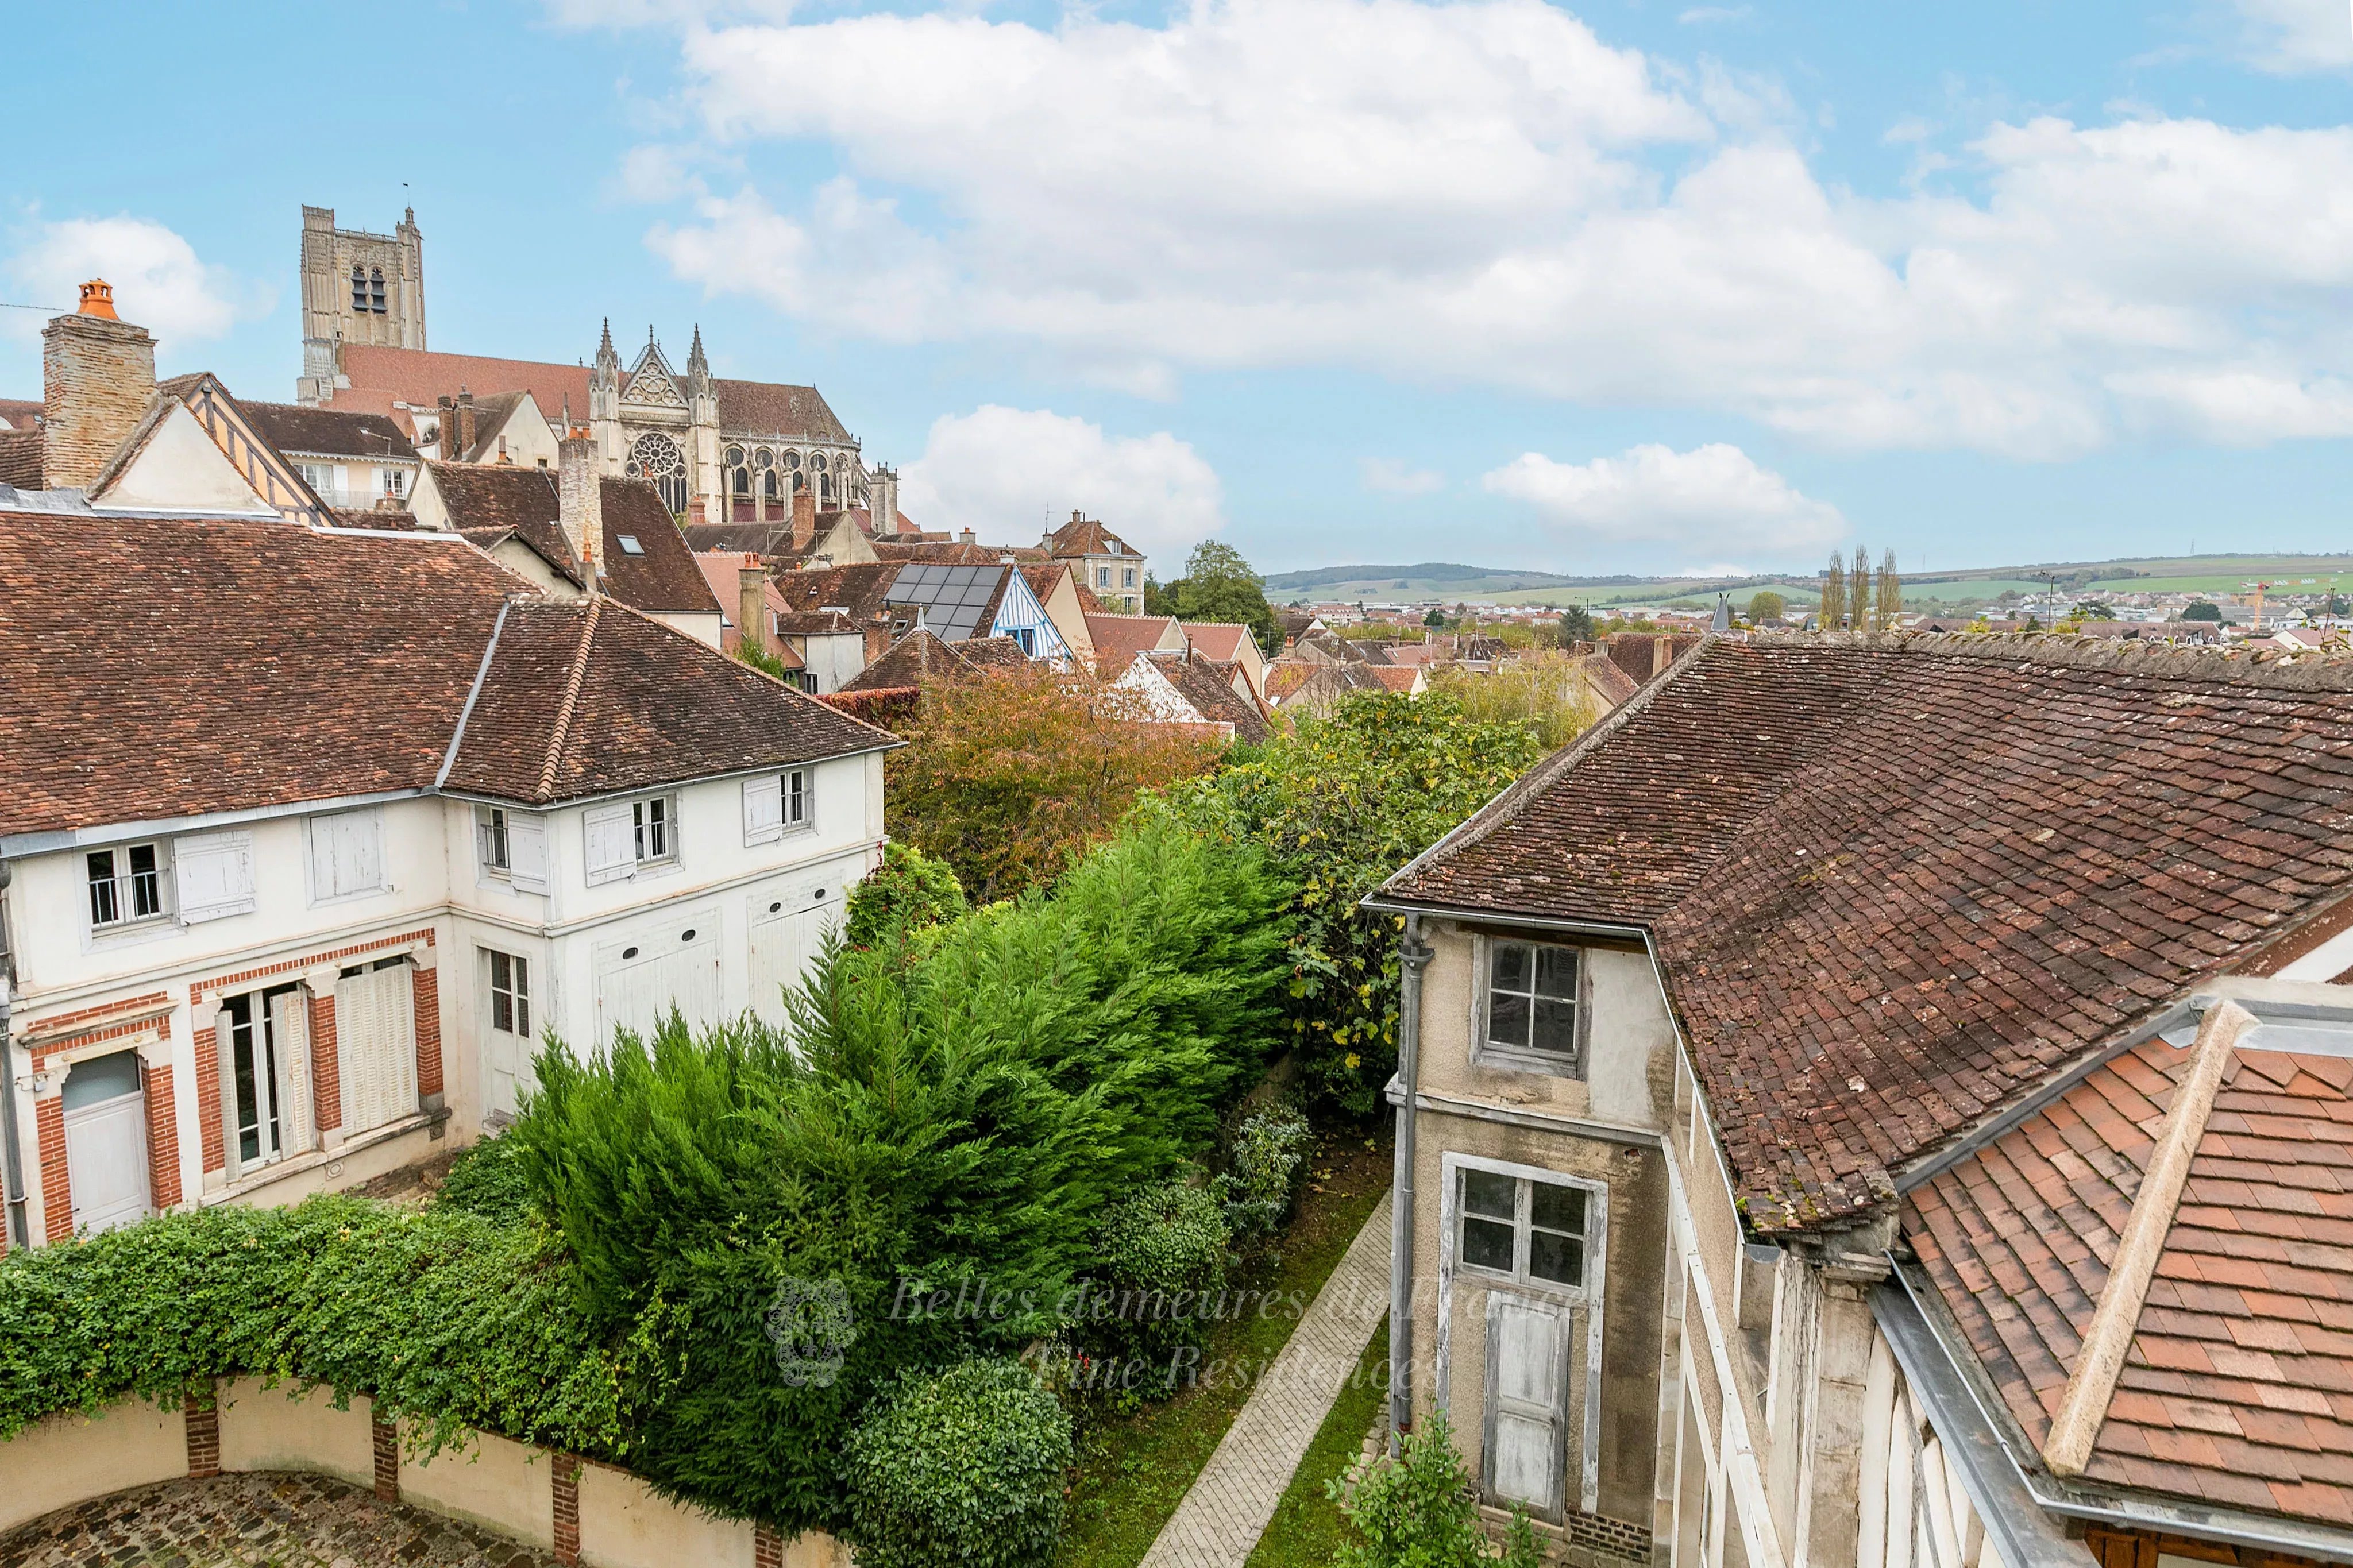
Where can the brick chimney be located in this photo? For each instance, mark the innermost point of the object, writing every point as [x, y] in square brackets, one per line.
[751, 603]
[98, 376]
[580, 499]
[804, 519]
[462, 430]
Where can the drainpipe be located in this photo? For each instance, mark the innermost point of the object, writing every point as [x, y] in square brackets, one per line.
[1412, 955]
[12, 1159]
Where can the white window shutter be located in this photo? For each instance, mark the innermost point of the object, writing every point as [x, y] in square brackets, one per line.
[360, 858]
[527, 851]
[764, 809]
[611, 847]
[375, 1046]
[214, 872]
[322, 858]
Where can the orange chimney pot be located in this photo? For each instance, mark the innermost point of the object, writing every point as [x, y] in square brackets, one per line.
[98, 300]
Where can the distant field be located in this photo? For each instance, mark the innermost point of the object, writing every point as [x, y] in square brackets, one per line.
[2209, 575]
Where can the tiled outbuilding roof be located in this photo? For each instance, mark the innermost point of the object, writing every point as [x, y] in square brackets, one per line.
[489, 500]
[272, 666]
[2238, 1388]
[1119, 638]
[1205, 685]
[303, 432]
[21, 458]
[1896, 881]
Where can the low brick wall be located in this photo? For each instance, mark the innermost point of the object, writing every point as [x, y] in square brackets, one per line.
[595, 1514]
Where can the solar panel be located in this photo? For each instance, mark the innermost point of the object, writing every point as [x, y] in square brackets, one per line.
[954, 598]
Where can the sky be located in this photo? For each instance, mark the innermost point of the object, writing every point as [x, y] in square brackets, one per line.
[1623, 286]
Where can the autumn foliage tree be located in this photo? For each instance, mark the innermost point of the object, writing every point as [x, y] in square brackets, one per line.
[1005, 776]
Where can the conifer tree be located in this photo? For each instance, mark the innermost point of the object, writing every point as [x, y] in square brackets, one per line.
[1833, 612]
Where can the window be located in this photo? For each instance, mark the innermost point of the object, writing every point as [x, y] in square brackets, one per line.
[347, 855]
[627, 835]
[359, 287]
[375, 289]
[1127, 578]
[775, 803]
[1027, 636]
[1522, 1230]
[491, 840]
[396, 481]
[126, 886]
[656, 457]
[1103, 576]
[629, 545]
[319, 476]
[265, 1043]
[510, 994]
[1530, 1004]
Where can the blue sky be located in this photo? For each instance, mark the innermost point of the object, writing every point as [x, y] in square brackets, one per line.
[1621, 287]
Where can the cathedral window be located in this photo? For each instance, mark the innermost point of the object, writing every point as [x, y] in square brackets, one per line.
[739, 481]
[792, 462]
[768, 484]
[734, 457]
[817, 461]
[375, 289]
[655, 458]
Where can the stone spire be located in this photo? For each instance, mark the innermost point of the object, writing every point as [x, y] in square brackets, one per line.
[695, 363]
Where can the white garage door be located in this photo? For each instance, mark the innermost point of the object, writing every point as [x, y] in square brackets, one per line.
[788, 929]
[640, 977]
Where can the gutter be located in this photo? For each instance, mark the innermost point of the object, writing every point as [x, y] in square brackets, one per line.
[1413, 953]
[12, 1232]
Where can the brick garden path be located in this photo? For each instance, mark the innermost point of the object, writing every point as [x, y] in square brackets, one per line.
[1221, 1518]
[257, 1520]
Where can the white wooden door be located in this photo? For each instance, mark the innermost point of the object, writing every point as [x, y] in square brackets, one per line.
[106, 1145]
[641, 978]
[376, 1047]
[1527, 1401]
[787, 933]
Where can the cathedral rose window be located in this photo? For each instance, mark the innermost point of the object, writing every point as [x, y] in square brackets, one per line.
[657, 458]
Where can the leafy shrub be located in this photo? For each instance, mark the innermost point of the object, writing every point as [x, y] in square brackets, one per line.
[953, 1120]
[488, 1178]
[1339, 803]
[907, 891]
[442, 1315]
[1417, 1511]
[959, 1467]
[1163, 1256]
[1269, 1150]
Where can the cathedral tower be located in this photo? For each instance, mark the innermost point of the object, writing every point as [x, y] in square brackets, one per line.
[357, 287]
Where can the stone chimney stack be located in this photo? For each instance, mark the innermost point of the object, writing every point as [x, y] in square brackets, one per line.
[751, 603]
[580, 501]
[885, 493]
[804, 518]
[98, 376]
[461, 432]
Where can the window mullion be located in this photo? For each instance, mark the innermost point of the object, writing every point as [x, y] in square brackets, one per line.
[1522, 1200]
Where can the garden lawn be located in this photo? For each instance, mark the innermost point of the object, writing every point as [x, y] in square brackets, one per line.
[1134, 1471]
[1308, 1528]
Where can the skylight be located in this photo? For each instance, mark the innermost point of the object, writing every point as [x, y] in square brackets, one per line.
[629, 545]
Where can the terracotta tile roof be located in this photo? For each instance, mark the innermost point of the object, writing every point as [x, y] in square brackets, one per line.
[1608, 678]
[920, 658]
[1895, 881]
[1407, 678]
[20, 459]
[941, 552]
[586, 698]
[1217, 639]
[2238, 1387]
[362, 651]
[487, 501]
[1085, 536]
[722, 569]
[1119, 638]
[20, 413]
[769, 408]
[1204, 685]
[380, 374]
[862, 591]
[389, 519]
[661, 574]
[297, 431]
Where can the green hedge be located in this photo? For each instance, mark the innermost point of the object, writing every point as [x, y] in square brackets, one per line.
[443, 1315]
[962, 1465]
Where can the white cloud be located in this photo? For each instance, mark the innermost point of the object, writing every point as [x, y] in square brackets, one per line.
[159, 281]
[1471, 193]
[1712, 497]
[1009, 474]
[1699, 15]
[2290, 37]
[1391, 477]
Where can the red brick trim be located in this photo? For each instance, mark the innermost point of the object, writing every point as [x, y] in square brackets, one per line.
[326, 1065]
[768, 1548]
[426, 984]
[103, 1010]
[54, 1047]
[566, 1502]
[57, 1186]
[240, 981]
[203, 1433]
[387, 1438]
[162, 1140]
[211, 1136]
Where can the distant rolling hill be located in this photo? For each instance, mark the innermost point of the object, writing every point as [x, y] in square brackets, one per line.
[1424, 580]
